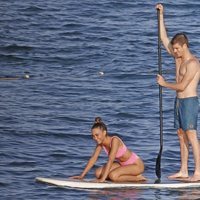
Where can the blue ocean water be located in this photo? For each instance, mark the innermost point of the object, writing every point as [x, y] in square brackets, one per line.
[85, 59]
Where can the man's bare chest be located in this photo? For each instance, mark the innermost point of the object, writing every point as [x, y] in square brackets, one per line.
[182, 70]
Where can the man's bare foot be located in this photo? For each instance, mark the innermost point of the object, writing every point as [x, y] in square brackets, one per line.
[192, 179]
[178, 175]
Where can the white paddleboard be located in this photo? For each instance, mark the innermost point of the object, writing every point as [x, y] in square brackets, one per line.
[88, 184]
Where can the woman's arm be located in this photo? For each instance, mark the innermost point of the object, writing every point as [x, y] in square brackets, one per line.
[115, 146]
[90, 163]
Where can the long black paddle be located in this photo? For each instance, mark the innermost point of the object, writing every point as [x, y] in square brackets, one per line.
[158, 160]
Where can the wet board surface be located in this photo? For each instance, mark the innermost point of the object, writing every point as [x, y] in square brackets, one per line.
[88, 184]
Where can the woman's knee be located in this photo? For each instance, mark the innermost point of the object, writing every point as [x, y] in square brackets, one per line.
[113, 176]
[98, 172]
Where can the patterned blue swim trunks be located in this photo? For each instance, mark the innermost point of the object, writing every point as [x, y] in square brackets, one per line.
[186, 113]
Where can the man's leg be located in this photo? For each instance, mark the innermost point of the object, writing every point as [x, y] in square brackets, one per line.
[192, 137]
[184, 151]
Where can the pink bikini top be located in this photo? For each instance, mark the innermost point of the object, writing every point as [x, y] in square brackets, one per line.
[121, 151]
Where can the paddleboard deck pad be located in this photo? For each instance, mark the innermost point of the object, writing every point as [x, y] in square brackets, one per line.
[88, 184]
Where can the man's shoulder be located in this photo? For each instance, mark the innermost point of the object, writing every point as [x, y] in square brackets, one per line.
[193, 62]
[193, 66]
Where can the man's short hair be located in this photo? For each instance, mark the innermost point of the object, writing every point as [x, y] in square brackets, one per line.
[181, 39]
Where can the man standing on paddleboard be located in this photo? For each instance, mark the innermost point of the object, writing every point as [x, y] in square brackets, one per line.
[186, 102]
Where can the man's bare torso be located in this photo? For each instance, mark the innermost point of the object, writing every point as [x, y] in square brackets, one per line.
[181, 69]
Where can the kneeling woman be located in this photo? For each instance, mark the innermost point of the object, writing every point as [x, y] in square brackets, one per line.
[122, 165]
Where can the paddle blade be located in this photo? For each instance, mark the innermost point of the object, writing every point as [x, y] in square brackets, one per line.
[158, 164]
[157, 181]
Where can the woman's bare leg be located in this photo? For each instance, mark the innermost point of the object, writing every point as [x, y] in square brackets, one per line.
[99, 171]
[128, 173]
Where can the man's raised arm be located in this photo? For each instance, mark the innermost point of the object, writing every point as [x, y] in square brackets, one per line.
[163, 32]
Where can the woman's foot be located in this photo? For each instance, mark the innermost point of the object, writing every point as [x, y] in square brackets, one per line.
[140, 178]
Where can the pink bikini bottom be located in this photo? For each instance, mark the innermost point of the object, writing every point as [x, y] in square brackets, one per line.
[130, 161]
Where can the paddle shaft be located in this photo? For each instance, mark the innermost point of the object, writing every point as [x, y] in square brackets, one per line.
[158, 161]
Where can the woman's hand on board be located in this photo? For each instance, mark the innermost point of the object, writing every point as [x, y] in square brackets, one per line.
[76, 177]
[99, 180]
